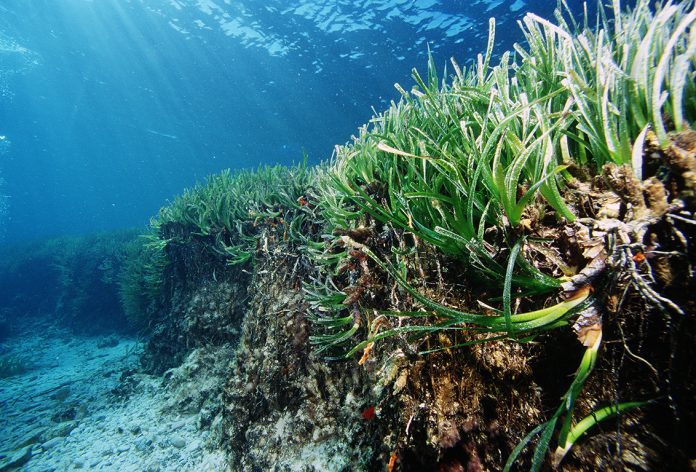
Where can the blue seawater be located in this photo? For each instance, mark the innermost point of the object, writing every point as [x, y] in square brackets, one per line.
[114, 106]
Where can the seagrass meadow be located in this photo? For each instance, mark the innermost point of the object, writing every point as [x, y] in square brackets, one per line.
[495, 273]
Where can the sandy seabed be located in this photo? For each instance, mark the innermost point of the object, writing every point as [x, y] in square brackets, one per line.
[80, 404]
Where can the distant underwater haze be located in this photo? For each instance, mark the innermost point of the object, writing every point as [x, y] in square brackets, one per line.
[113, 106]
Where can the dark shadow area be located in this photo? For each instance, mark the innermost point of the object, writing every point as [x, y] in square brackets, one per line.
[72, 281]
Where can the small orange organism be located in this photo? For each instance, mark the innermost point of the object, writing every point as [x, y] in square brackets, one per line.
[392, 461]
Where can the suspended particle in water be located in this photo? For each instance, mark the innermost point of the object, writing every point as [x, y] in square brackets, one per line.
[14, 59]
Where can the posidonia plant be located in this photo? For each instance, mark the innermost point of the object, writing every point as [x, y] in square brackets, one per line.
[227, 213]
[231, 205]
[621, 77]
[142, 277]
[472, 167]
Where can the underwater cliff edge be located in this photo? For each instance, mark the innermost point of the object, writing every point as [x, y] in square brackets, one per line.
[495, 273]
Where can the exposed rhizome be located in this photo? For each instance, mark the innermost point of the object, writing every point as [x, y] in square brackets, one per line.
[467, 408]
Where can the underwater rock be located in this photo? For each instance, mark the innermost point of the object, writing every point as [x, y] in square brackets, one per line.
[66, 414]
[195, 387]
[206, 308]
[128, 385]
[16, 459]
[51, 443]
[32, 437]
[177, 441]
[178, 425]
[143, 444]
[62, 430]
